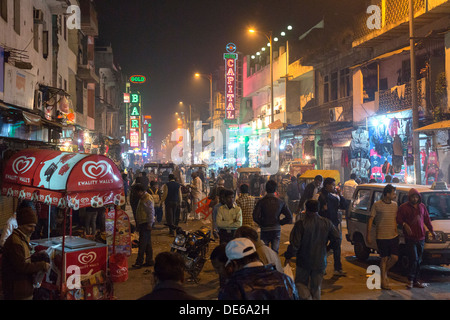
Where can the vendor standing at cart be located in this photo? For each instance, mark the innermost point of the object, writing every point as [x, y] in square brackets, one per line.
[17, 268]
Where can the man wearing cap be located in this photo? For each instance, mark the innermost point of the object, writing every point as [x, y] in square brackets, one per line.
[251, 280]
[17, 268]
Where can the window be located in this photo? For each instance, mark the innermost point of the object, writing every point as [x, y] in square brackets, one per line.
[4, 9]
[345, 89]
[79, 90]
[17, 16]
[362, 200]
[45, 44]
[35, 33]
[65, 28]
[326, 89]
[334, 86]
[377, 196]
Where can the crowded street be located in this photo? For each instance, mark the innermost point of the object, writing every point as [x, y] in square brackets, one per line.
[225, 154]
[351, 287]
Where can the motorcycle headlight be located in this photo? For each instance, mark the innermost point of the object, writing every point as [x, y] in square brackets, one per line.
[440, 237]
[180, 240]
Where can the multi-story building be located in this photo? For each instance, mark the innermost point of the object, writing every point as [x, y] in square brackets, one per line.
[382, 89]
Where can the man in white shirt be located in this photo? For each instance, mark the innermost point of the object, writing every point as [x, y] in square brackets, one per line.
[349, 188]
[197, 188]
[229, 218]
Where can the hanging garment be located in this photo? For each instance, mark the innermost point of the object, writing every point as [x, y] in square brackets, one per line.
[387, 168]
[397, 162]
[394, 126]
[397, 146]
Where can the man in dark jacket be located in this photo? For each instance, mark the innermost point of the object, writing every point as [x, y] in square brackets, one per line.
[310, 190]
[308, 243]
[17, 268]
[293, 193]
[330, 201]
[251, 280]
[267, 214]
[169, 278]
[172, 198]
[413, 216]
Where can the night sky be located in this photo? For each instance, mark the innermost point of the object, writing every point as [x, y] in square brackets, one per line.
[169, 40]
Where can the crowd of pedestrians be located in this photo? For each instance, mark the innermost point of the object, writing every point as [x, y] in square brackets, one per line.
[248, 263]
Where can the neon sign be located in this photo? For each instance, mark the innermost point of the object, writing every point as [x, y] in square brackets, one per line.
[135, 121]
[138, 79]
[134, 139]
[230, 82]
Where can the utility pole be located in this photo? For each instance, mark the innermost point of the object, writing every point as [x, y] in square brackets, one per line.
[415, 107]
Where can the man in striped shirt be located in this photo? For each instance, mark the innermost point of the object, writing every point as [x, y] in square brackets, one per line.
[384, 213]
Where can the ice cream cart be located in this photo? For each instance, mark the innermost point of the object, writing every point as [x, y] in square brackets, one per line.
[69, 181]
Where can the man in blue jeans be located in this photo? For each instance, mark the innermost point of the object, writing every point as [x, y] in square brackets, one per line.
[308, 243]
[413, 216]
[267, 214]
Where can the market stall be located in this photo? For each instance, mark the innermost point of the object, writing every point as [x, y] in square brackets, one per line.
[69, 181]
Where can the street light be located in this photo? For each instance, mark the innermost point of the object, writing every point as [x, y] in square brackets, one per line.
[269, 37]
[209, 77]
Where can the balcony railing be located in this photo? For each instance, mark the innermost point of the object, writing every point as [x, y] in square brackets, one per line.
[399, 97]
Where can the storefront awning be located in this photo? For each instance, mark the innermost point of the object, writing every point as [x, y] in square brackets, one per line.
[442, 125]
[63, 178]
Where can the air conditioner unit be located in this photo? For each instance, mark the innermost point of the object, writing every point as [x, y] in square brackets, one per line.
[38, 16]
[336, 114]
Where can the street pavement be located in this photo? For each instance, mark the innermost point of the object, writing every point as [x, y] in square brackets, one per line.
[352, 286]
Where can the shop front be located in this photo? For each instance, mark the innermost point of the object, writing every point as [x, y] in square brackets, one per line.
[384, 147]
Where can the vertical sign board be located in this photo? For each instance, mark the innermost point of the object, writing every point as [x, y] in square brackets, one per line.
[135, 121]
[230, 81]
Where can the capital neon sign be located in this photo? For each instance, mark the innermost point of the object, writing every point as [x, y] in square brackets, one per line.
[230, 82]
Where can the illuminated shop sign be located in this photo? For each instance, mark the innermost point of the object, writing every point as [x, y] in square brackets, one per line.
[138, 79]
[135, 121]
[126, 98]
[134, 139]
[230, 81]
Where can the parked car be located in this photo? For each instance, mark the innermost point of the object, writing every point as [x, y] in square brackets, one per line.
[437, 201]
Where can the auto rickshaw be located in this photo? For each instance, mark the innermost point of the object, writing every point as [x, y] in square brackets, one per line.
[309, 175]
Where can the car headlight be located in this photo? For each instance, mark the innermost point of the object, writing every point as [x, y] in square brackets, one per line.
[180, 240]
[439, 238]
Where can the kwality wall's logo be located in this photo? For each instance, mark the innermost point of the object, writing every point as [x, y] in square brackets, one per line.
[87, 258]
[96, 170]
[23, 164]
[182, 152]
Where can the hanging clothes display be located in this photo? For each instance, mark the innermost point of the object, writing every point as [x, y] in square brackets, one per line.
[359, 153]
[390, 145]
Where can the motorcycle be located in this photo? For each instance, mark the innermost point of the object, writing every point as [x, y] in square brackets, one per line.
[193, 247]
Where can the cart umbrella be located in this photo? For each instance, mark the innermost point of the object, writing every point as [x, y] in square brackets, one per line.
[63, 179]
